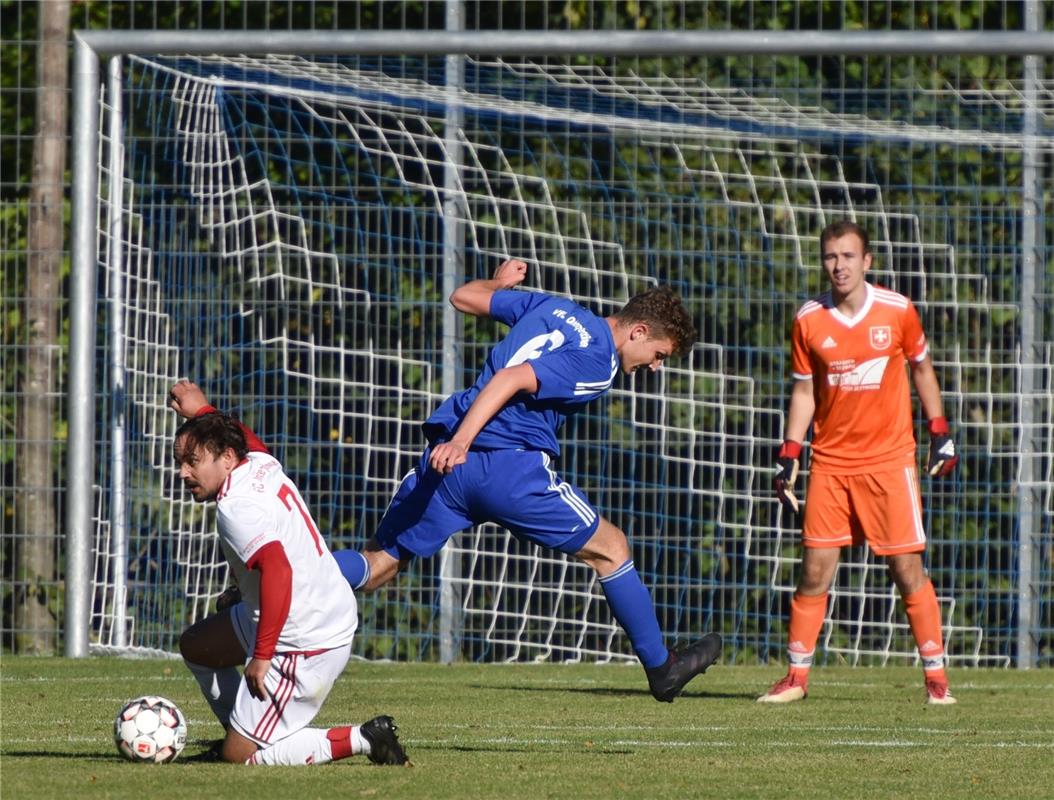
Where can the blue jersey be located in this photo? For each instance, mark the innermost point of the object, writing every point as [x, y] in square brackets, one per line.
[573, 356]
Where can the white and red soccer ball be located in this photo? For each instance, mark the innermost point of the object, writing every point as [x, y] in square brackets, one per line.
[150, 730]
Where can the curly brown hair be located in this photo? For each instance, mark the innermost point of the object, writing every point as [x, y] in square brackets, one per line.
[663, 312]
[215, 432]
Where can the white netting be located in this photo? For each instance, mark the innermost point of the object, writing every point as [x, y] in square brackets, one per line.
[284, 229]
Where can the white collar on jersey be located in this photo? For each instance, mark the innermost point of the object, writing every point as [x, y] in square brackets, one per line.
[849, 322]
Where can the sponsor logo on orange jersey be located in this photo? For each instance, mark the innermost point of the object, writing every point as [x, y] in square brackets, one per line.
[861, 377]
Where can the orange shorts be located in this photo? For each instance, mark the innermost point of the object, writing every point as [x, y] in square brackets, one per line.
[882, 507]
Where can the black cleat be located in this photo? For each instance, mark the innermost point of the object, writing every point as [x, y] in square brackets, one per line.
[384, 743]
[214, 753]
[667, 681]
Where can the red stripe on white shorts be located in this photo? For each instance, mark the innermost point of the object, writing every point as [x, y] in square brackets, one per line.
[279, 699]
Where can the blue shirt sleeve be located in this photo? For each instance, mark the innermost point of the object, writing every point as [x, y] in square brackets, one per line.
[508, 305]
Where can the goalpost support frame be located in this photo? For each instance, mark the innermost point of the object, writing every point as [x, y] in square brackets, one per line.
[90, 46]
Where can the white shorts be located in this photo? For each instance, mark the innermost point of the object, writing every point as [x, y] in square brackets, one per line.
[298, 684]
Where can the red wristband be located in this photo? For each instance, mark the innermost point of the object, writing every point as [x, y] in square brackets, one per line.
[790, 449]
[939, 426]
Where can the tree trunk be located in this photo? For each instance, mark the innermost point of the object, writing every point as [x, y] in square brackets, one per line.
[36, 592]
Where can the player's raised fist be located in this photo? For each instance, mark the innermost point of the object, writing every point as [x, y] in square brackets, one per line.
[511, 272]
[186, 398]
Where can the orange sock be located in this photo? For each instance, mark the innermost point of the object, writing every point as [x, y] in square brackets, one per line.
[806, 619]
[924, 616]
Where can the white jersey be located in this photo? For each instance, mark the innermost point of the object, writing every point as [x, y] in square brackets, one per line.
[259, 504]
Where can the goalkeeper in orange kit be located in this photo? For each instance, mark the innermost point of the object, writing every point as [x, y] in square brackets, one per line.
[849, 347]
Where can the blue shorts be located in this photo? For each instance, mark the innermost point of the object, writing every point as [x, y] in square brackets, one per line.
[518, 489]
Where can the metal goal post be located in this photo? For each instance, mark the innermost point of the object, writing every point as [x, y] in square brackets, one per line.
[92, 47]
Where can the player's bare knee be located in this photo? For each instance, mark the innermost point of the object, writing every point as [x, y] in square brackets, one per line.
[211, 642]
[613, 543]
[189, 645]
[907, 572]
[607, 550]
[813, 582]
[818, 567]
[195, 648]
[812, 587]
[617, 553]
[230, 758]
[237, 749]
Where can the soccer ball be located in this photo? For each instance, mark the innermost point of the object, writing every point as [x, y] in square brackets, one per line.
[150, 730]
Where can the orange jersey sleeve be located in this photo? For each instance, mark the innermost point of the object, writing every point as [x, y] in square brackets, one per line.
[863, 416]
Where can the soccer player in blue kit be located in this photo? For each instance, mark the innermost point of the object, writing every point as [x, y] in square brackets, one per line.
[491, 449]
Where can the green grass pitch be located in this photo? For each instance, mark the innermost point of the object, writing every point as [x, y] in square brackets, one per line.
[557, 731]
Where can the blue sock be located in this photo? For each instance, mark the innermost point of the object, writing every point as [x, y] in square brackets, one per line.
[354, 567]
[631, 605]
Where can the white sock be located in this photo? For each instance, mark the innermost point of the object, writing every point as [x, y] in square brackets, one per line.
[220, 687]
[359, 743]
[310, 746]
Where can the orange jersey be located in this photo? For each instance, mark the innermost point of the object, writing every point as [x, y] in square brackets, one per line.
[863, 413]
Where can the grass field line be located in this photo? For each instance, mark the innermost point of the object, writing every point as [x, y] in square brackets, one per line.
[902, 743]
[198, 723]
[722, 728]
[520, 741]
[101, 678]
[818, 681]
[601, 728]
[457, 740]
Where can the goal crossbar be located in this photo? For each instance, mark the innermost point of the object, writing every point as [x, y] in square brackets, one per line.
[539, 43]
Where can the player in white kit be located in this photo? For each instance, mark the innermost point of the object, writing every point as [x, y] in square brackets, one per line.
[293, 629]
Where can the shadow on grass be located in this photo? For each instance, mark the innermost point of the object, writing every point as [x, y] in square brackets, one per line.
[533, 747]
[183, 760]
[612, 692]
[198, 751]
[108, 757]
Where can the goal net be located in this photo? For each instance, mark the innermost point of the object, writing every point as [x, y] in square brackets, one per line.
[284, 226]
